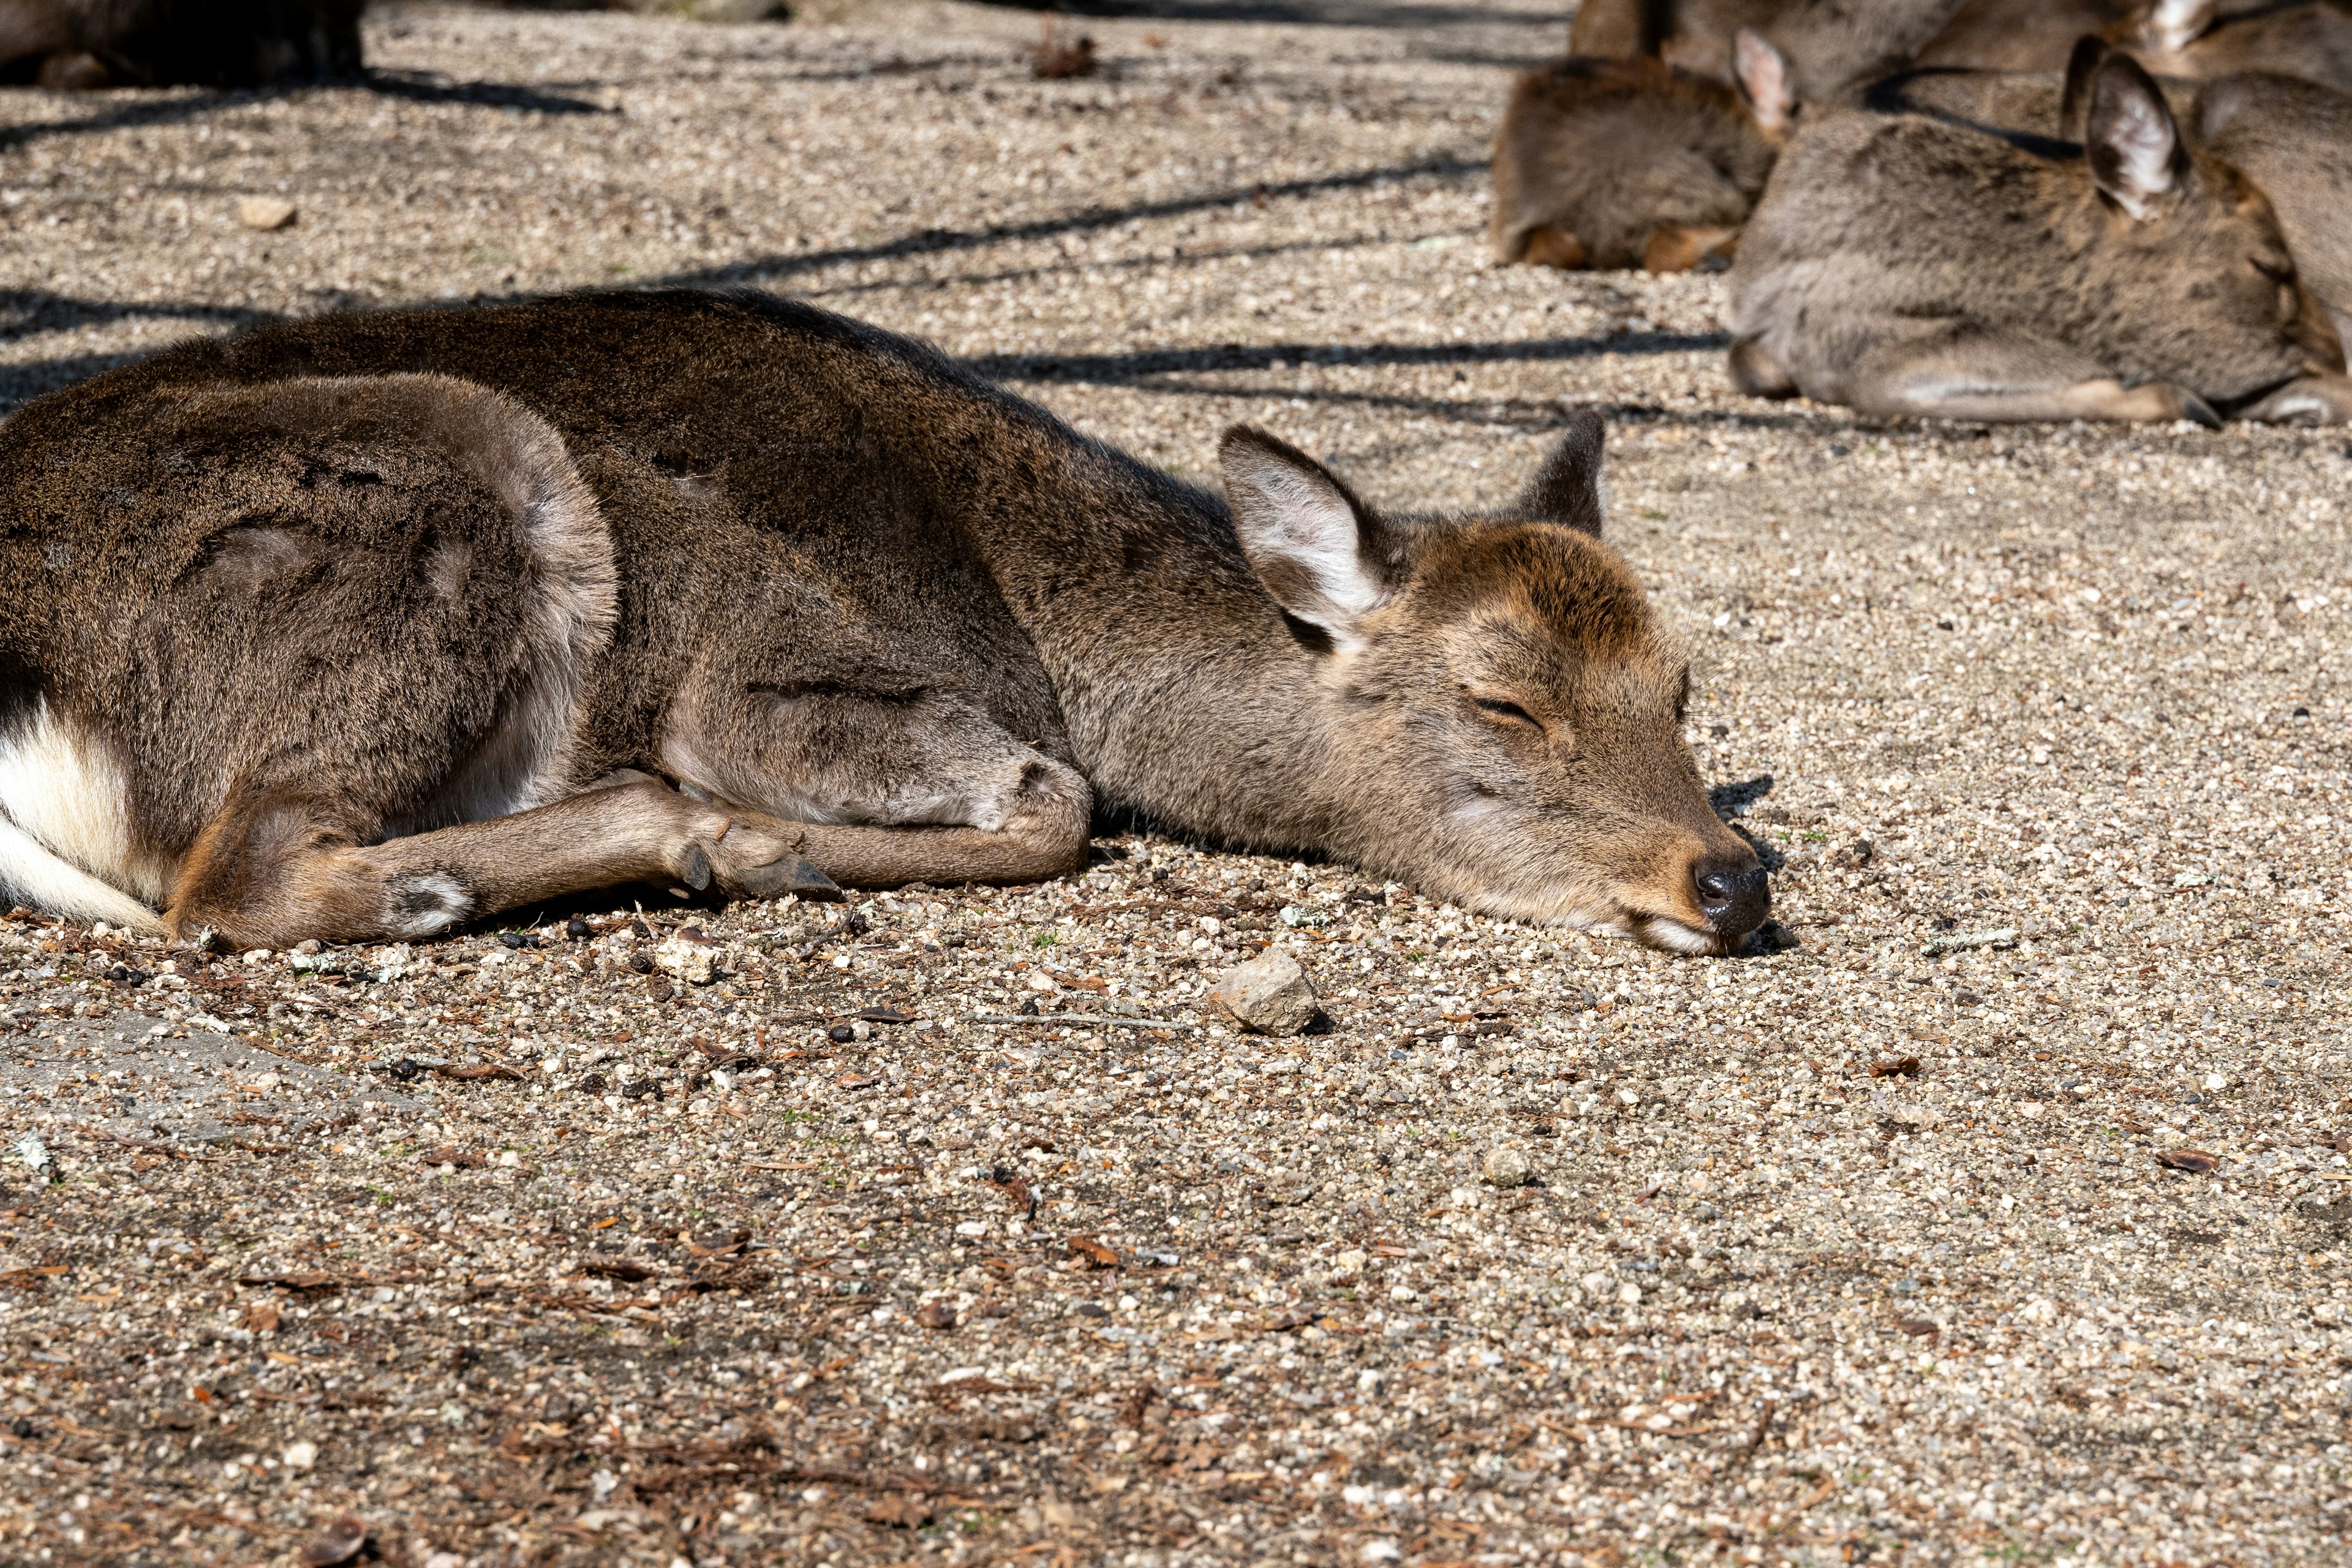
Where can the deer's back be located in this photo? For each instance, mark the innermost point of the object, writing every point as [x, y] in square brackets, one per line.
[782, 488]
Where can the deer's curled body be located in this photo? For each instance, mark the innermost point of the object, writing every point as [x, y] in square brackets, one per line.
[369, 626]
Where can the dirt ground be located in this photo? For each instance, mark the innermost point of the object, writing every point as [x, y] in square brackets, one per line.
[2002, 1214]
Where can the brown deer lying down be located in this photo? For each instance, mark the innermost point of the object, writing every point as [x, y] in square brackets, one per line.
[336, 628]
[1915, 263]
[1633, 163]
[178, 43]
[2292, 138]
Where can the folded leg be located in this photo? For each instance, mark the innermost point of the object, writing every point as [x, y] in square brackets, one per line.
[1959, 371]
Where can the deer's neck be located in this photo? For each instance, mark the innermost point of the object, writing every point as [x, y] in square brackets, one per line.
[1187, 694]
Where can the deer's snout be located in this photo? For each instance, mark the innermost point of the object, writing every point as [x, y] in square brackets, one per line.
[1733, 895]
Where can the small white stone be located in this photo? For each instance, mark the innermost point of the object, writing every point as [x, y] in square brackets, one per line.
[265, 213]
[2216, 1080]
[299, 1456]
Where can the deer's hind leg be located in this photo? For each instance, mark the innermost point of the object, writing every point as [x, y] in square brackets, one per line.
[1959, 371]
[275, 868]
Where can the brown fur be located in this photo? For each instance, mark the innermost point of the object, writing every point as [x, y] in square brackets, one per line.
[1624, 163]
[2294, 139]
[1912, 262]
[360, 610]
[83, 44]
[1831, 45]
[2191, 39]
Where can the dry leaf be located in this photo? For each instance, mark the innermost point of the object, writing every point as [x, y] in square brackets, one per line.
[856, 1081]
[883, 1015]
[2196, 1161]
[1093, 1251]
[449, 1154]
[1921, 1328]
[340, 1541]
[261, 1317]
[1906, 1067]
[472, 1070]
[31, 1278]
[937, 1315]
[616, 1268]
[903, 1510]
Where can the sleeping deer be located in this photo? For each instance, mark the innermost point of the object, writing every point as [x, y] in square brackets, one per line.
[1633, 163]
[1919, 263]
[365, 626]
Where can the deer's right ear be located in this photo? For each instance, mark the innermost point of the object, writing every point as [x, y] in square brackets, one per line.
[1306, 537]
[1763, 78]
[2133, 143]
[1567, 488]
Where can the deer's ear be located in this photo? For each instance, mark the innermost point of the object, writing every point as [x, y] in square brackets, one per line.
[1567, 488]
[2131, 139]
[1309, 539]
[2090, 50]
[1763, 78]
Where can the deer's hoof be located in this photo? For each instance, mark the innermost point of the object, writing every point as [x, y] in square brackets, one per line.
[786, 874]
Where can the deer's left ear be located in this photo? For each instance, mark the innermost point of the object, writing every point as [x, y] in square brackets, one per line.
[1567, 488]
[1310, 540]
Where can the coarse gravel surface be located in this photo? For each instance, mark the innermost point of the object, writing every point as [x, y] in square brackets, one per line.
[2002, 1212]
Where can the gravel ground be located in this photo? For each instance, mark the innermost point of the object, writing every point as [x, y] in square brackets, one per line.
[2005, 1215]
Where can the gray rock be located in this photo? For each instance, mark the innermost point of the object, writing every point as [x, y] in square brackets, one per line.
[1507, 1167]
[1270, 994]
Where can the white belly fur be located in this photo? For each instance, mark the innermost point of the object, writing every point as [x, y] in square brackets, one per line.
[66, 844]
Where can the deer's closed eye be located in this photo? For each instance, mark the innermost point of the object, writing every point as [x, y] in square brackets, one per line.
[1499, 711]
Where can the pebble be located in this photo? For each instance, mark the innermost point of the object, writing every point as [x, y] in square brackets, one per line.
[1506, 1166]
[1269, 994]
[688, 954]
[265, 212]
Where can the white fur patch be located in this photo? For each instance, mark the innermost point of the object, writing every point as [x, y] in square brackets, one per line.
[65, 841]
[2177, 23]
[2144, 142]
[424, 905]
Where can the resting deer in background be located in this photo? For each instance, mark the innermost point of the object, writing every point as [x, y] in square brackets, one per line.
[1922, 263]
[345, 628]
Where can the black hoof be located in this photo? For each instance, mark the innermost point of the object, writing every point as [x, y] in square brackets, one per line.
[788, 875]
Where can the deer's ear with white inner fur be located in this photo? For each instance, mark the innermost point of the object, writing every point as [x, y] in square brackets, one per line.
[1567, 488]
[1310, 540]
[2133, 143]
[1763, 78]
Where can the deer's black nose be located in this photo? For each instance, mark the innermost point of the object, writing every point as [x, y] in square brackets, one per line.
[1733, 895]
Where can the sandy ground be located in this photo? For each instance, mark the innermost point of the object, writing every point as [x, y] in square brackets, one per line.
[2003, 1216]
